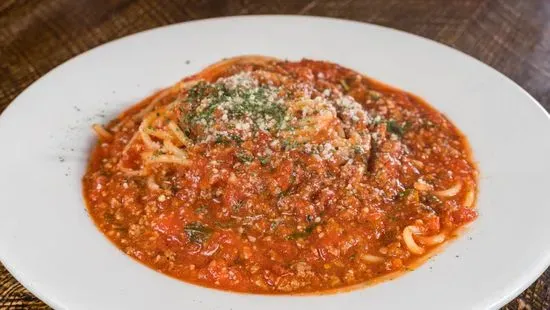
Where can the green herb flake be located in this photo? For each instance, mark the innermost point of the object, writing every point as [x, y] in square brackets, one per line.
[358, 150]
[274, 224]
[397, 129]
[197, 232]
[221, 140]
[289, 144]
[431, 200]
[404, 193]
[378, 120]
[302, 234]
[237, 205]
[197, 91]
[282, 194]
[264, 160]
[236, 138]
[244, 157]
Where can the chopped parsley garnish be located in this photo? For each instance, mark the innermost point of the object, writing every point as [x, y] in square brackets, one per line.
[430, 199]
[378, 120]
[236, 138]
[302, 234]
[197, 91]
[244, 157]
[197, 232]
[290, 144]
[409, 196]
[404, 193]
[396, 128]
[358, 150]
[237, 205]
[239, 103]
[274, 224]
[264, 160]
[222, 140]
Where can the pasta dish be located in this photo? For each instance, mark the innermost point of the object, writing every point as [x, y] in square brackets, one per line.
[268, 176]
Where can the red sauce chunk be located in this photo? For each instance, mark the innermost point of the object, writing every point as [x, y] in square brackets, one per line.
[274, 177]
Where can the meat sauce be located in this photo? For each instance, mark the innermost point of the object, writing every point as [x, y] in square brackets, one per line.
[303, 177]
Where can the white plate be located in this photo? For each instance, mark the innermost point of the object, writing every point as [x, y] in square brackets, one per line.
[49, 244]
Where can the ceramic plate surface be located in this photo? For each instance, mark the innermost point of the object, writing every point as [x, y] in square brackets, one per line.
[50, 244]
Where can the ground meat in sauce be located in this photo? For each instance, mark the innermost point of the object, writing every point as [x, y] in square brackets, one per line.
[303, 177]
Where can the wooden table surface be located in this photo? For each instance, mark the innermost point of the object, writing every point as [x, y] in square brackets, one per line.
[512, 36]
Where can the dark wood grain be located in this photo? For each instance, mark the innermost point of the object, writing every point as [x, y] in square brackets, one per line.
[510, 35]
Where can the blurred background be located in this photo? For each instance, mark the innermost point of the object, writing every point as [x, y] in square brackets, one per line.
[512, 36]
